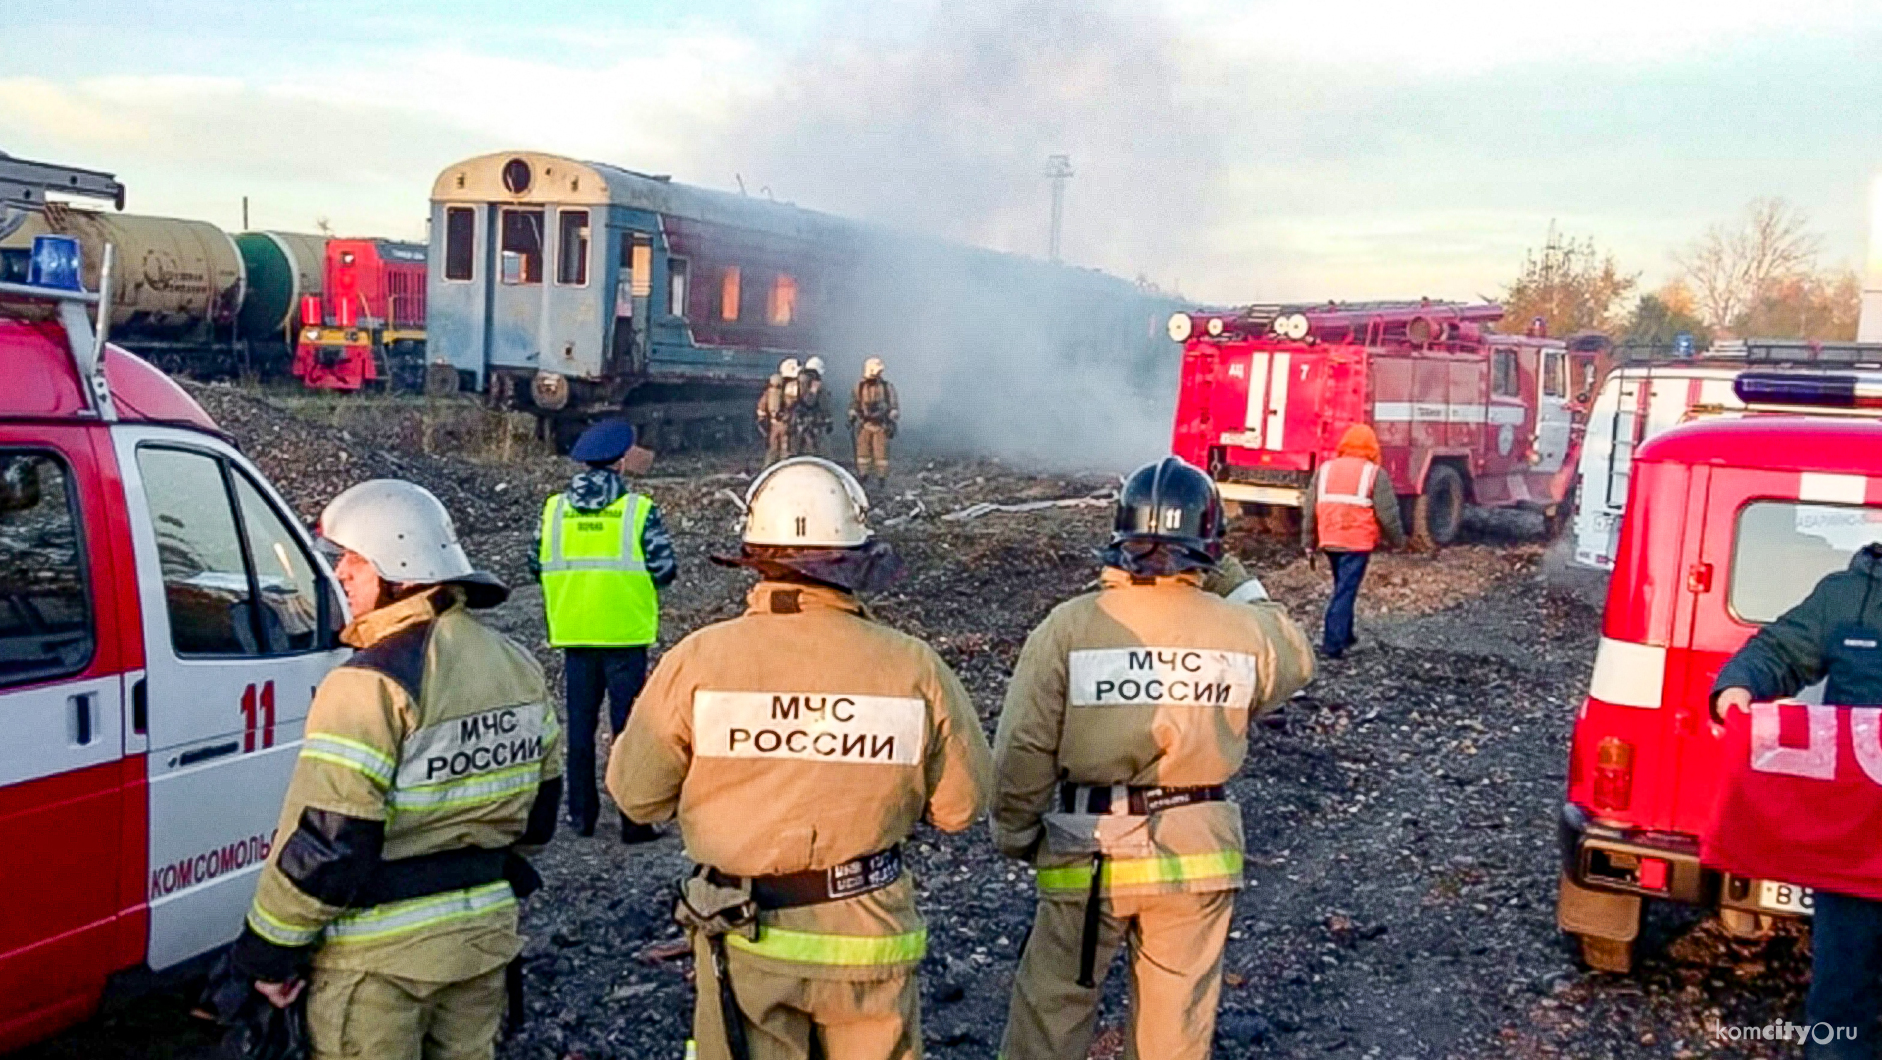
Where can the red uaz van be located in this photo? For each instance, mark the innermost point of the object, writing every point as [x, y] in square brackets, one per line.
[1729, 523]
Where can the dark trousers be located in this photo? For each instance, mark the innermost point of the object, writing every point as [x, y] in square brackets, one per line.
[1846, 961]
[590, 674]
[1349, 569]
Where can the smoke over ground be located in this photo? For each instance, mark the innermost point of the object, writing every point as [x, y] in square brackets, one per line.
[938, 119]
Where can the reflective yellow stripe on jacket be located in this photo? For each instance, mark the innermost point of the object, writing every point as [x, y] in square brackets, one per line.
[806, 947]
[1173, 871]
[400, 918]
[595, 587]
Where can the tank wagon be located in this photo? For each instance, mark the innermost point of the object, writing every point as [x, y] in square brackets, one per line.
[188, 295]
[572, 289]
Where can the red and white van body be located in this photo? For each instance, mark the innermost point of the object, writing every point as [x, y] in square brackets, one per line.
[164, 620]
[1261, 410]
[1729, 522]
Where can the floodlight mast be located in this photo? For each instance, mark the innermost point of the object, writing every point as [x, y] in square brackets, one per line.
[1058, 170]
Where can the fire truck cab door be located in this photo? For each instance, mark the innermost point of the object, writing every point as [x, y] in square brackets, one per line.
[62, 773]
[1554, 419]
[240, 625]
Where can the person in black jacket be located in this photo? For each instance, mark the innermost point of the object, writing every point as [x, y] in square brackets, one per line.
[1835, 635]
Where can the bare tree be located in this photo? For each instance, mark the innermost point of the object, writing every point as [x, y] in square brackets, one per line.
[1733, 269]
[323, 225]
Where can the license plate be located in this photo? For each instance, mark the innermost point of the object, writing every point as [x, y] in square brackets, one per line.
[1786, 897]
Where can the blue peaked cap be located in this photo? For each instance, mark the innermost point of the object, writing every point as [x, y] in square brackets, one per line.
[604, 443]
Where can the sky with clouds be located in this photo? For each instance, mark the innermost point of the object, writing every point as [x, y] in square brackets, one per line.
[1251, 150]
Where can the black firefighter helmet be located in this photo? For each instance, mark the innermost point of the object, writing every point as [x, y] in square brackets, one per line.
[1169, 520]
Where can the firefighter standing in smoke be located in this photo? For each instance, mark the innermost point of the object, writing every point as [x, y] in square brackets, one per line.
[774, 421]
[428, 758]
[810, 420]
[1127, 714]
[1351, 503]
[799, 744]
[602, 554]
[874, 412]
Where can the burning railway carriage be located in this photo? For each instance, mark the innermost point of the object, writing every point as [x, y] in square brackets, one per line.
[570, 289]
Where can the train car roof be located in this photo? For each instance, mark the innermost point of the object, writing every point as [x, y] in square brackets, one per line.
[39, 381]
[1775, 442]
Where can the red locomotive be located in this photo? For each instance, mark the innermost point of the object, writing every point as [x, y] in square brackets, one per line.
[1464, 414]
[371, 317]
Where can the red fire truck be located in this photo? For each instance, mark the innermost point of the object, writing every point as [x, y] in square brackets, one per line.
[163, 622]
[1729, 523]
[1464, 415]
[371, 314]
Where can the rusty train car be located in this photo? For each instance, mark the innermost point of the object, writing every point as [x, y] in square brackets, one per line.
[574, 289]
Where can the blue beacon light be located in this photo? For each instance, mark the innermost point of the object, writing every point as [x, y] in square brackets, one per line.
[56, 263]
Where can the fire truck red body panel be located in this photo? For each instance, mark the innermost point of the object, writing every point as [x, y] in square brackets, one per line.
[1261, 411]
[140, 776]
[1644, 767]
[373, 297]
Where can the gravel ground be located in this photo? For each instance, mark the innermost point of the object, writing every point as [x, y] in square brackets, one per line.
[1401, 812]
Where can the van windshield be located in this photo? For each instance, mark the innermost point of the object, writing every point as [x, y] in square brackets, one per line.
[1783, 548]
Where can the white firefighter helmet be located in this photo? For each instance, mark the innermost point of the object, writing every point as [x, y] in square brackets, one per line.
[815, 364]
[406, 534]
[788, 368]
[872, 368]
[806, 502]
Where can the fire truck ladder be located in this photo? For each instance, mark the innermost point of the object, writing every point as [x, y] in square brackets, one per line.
[23, 189]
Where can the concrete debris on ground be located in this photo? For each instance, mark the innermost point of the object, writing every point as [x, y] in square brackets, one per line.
[1400, 813]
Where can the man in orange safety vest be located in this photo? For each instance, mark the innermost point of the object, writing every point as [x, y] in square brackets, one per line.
[1351, 503]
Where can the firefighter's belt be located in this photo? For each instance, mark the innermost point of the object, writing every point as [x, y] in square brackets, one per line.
[1103, 799]
[871, 872]
[447, 870]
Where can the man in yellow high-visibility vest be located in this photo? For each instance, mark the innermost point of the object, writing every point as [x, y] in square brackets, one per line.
[602, 555]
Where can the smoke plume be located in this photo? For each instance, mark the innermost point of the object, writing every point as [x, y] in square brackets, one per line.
[936, 120]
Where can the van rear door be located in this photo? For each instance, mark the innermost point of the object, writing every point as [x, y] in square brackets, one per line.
[1770, 537]
[62, 740]
[240, 624]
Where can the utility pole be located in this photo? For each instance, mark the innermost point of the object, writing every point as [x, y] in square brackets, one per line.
[1058, 170]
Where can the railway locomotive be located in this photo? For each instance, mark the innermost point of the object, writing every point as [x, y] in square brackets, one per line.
[367, 324]
[572, 289]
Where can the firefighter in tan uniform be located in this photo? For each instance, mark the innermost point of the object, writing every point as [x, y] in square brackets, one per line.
[774, 420]
[1127, 714]
[874, 414]
[429, 758]
[810, 420]
[798, 745]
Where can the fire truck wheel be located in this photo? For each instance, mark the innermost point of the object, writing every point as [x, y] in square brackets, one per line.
[1439, 510]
